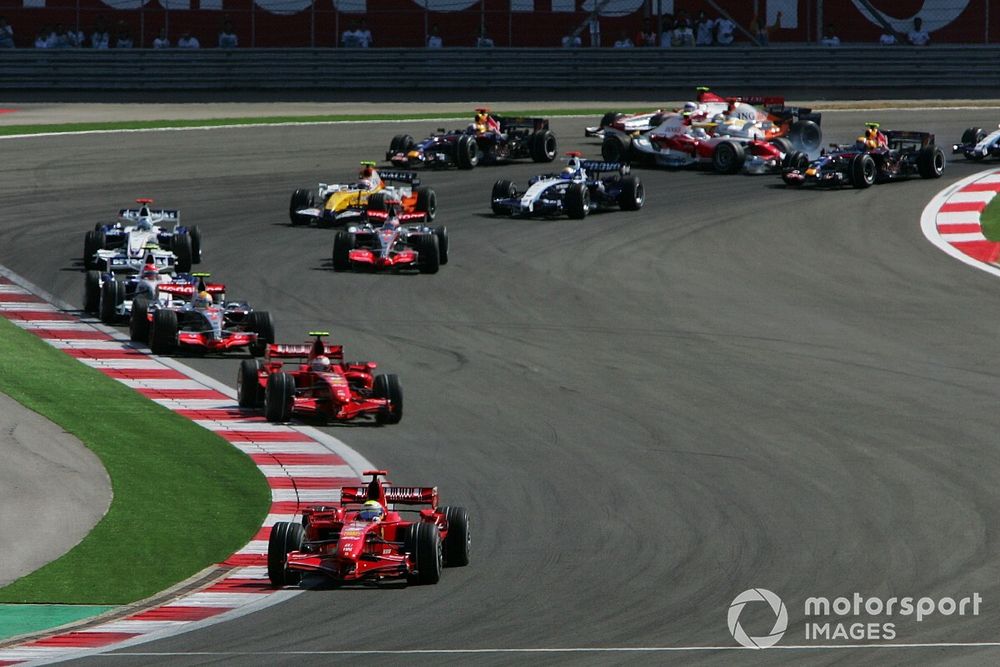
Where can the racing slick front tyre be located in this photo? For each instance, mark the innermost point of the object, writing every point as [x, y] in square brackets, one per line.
[92, 242]
[502, 189]
[632, 195]
[388, 386]
[783, 145]
[163, 335]
[427, 202]
[343, 243]
[441, 232]
[112, 296]
[92, 292]
[864, 171]
[543, 146]
[577, 201]
[609, 118]
[138, 320]
[728, 157]
[285, 537]
[423, 541]
[428, 253]
[458, 543]
[195, 233]
[796, 160]
[378, 201]
[301, 199]
[466, 152]
[973, 135]
[261, 323]
[278, 397]
[182, 249]
[401, 143]
[615, 148]
[806, 134]
[930, 161]
[248, 393]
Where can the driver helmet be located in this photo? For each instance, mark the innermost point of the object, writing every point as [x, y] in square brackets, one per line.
[861, 143]
[719, 119]
[202, 300]
[320, 364]
[149, 272]
[145, 223]
[371, 511]
[690, 107]
[365, 176]
[482, 120]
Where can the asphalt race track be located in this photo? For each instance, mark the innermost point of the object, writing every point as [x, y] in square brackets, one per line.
[646, 413]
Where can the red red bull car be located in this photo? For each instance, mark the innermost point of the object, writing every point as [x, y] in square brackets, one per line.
[321, 386]
[363, 540]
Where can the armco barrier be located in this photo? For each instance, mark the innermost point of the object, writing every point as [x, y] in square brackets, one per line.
[968, 71]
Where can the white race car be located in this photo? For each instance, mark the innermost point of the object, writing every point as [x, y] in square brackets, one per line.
[137, 229]
[976, 144]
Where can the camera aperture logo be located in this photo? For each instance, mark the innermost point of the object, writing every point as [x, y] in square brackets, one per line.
[780, 618]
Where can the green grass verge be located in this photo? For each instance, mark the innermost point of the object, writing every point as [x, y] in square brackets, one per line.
[7, 130]
[184, 498]
[989, 219]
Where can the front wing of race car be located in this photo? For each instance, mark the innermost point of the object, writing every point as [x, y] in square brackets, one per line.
[208, 342]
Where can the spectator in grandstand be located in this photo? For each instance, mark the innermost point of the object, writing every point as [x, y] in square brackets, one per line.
[484, 41]
[434, 39]
[228, 38]
[6, 34]
[571, 41]
[623, 42]
[350, 38]
[364, 35]
[123, 39]
[45, 38]
[703, 29]
[646, 36]
[161, 41]
[724, 31]
[683, 32]
[60, 38]
[888, 39]
[666, 29]
[918, 36]
[100, 38]
[188, 41]
[830, 36]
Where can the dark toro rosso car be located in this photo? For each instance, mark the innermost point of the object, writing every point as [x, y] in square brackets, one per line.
[323, 385]
[574, 192]
[386, 242]
[488, 140]
[876, 157]
[199, 322]
[363, 540]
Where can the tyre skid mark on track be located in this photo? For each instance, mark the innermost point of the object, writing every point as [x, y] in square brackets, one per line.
[301, 466]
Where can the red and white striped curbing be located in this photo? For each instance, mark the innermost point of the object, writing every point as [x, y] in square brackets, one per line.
[302, 466]
[951, 220]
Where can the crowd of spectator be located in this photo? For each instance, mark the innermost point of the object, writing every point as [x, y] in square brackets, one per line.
[59, 37]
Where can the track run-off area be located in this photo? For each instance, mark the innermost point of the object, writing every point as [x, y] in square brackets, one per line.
[739, 386]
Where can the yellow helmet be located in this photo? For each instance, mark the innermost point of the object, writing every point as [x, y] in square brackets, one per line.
[203, 300]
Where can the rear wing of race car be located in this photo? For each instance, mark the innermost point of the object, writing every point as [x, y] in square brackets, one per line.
[398, 495]
[280, 351]
[594, 166]
[897, 137]
[188, 289]
[705, 95]
[411, 177]
[403, 217]
[159, 214]
[508, 123]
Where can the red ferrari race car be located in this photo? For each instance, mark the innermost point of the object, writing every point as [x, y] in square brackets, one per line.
[362, 540]
[322, 386]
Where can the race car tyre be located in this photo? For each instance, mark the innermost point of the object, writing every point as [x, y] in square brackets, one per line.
[378, 201]
[930, 161]
[615, 148]
[806, 134]
[343, 244]
[248, 393]
[138, 320]
[112, 296]
[609, 118]
[92, 242]
[787, 178]
[632, 195]
[423, 540]
[195, 233]
[502, 189]
[458, 543]
[278, 397]
[301, 199]
[181, 247]
[427, 202]
[973, 135]
[388, 386]
[863, 170]
[543, 146]
[728, 157]
[163, 335]
[401, 143]
[428, 253]
[783, 145]
[441, 232]
[92, 292]
[261, 323]
[796, 160]
[285, 537]
[577, 201]
[466, 152]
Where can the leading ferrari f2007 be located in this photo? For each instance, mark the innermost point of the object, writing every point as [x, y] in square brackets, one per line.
[368, 538]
